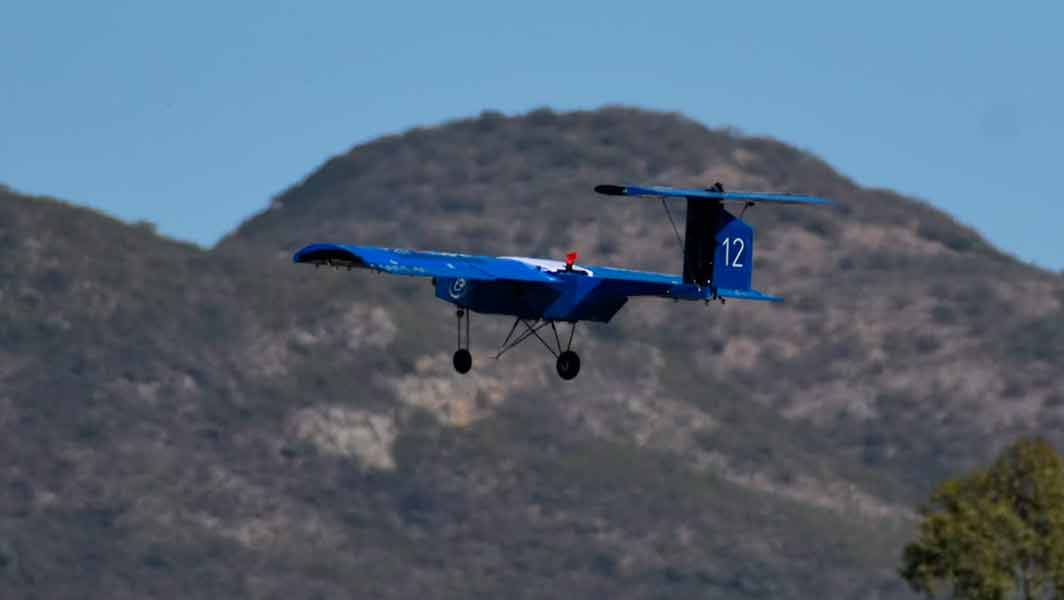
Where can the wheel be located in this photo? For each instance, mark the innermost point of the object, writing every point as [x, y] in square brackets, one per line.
[463, 360]
[568, 365]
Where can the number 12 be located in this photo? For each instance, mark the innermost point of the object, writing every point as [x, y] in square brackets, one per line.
[739, 246]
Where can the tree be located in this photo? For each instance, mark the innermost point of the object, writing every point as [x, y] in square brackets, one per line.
[995, 533]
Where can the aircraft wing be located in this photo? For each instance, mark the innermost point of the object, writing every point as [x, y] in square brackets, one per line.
[421, 264]
[694, 194]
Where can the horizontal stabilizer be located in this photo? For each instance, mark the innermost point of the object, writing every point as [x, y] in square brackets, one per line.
[747, 295]
[693, 194]
[686, 291]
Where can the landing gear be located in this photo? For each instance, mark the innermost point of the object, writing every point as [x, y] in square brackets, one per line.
[463, 360]
[568, 365]
[568, 361]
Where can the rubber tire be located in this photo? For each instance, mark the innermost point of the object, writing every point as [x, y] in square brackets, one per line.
[568, 365]
[463, 360]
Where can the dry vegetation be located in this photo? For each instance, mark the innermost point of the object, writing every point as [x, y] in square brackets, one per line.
[179, 422]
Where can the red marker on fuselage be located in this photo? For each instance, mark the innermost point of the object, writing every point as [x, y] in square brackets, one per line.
[570, 259]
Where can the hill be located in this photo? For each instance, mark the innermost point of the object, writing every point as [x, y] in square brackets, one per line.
[906, 337]
[222, 423]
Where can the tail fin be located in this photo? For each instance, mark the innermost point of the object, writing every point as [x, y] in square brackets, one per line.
[733, 262]
[719, 248]
[718, 254]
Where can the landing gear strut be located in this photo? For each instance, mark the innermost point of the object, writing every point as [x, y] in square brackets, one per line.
[568, 361]
[463, 360]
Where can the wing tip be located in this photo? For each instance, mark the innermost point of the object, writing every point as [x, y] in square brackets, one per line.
[328, 254]
[610, 190]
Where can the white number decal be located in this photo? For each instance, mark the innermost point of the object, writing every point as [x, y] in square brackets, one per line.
[740, 245]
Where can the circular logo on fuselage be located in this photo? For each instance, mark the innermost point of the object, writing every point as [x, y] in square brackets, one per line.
[458, 288]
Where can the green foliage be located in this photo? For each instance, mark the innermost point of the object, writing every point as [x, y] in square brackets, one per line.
[995, 533]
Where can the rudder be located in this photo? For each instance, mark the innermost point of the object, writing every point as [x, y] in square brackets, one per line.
[733, 260]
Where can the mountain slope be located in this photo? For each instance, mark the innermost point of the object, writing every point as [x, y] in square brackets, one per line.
[905, 339]
[158, 441]
[225, 423]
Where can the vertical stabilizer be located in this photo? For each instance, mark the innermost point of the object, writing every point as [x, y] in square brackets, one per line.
[718, 247]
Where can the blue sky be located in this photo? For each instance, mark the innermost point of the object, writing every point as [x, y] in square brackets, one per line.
[193, 115]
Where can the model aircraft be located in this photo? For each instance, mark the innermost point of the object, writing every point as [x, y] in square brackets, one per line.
[718, 261]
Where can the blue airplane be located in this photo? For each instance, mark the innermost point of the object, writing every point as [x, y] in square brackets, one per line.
[718, 259]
